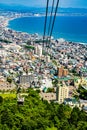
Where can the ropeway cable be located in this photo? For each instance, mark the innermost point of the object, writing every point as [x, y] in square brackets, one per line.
[50, 29]
[45, 24]
[54, 18]
[50, 21]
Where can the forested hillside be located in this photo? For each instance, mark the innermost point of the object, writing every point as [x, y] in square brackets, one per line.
[37, 114]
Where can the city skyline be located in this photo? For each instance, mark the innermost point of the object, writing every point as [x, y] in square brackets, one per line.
[42, 3]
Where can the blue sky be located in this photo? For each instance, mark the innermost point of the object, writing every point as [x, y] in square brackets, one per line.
[63, 3]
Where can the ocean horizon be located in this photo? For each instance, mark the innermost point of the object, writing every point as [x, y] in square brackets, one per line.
[70, 28]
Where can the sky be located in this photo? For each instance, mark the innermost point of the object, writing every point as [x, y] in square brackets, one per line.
[63, 3]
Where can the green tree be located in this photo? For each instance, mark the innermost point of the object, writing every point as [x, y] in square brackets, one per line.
[1, 99]
[82, 125]
[14, 128]
[64, 125]
[74, 116]
[82, 93]
[82, 116]
[7, 118]
[37, 114]
[5, 127]
[9, 79]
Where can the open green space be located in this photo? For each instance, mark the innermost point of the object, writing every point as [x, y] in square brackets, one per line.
[8, 95]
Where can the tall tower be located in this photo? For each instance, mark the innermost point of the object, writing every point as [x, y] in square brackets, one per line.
[38, 50]
[65, 72]
[60, 71]
[62, 93]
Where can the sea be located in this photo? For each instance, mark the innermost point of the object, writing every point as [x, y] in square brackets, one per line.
[68, 25]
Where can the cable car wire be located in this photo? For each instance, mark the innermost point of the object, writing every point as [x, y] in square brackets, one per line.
[54, 18]
[50, 21]
[45, 24]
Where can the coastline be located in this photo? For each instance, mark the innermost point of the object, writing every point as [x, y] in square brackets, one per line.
[6, 23]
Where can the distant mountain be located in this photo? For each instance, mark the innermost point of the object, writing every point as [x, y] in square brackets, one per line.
[14, 7]
[21, 8]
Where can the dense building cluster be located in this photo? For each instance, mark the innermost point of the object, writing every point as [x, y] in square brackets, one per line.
[57, 69]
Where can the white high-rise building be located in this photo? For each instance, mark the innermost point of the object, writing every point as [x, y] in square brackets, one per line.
[47, 58]
[62, 93]
[38, 50]
[3, 52]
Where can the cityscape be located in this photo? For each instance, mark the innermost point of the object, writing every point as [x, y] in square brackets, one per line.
[56, 69]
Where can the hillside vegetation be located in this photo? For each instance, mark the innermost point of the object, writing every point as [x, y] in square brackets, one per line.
[36, 114]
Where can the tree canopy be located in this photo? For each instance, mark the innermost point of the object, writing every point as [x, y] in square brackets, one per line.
[38, 114]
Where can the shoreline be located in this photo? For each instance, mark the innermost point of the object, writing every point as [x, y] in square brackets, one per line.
[18, 17]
